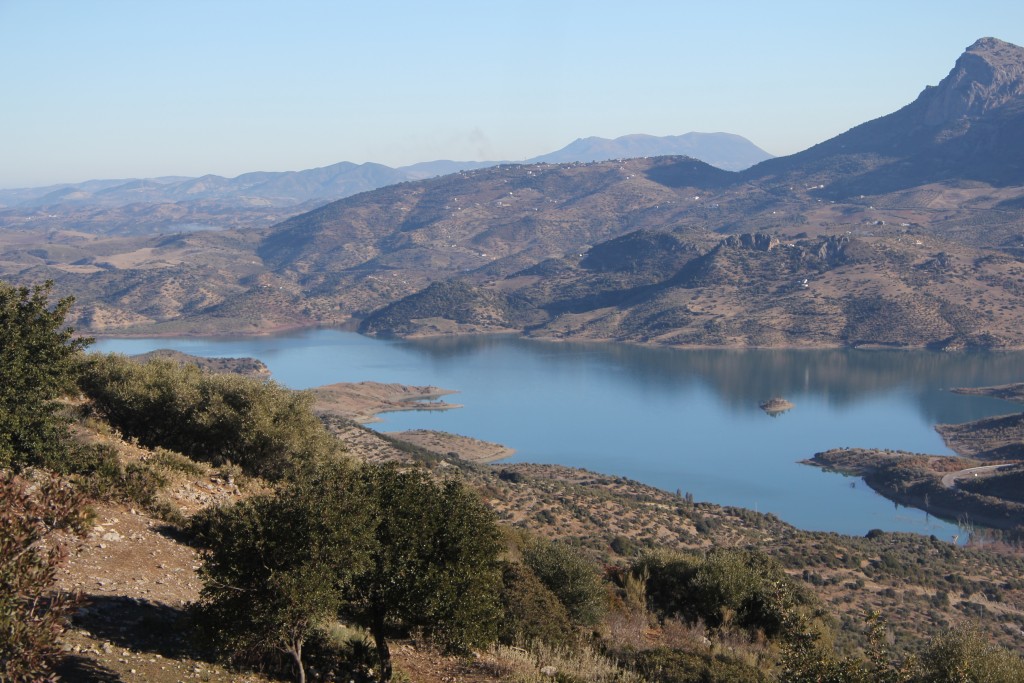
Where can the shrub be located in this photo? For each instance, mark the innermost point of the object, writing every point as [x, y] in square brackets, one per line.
[725, 587]
[965, 654]
[257, 424]
[32, 614]
[570, 576]
[532, 613]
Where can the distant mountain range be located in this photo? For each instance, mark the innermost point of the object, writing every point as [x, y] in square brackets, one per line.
[904, 231]
[291, 188]
[722, 150]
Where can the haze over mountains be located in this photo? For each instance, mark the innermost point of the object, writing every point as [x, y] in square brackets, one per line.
[261, 198]
[904, 231]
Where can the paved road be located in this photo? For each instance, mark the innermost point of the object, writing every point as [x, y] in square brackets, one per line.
[949, 480]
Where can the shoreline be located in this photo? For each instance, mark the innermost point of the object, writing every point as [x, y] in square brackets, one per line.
[352, 326]
[363, 401]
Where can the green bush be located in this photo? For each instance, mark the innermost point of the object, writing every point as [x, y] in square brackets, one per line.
[99, 474]
[570, 576]
[676, 666]
[532, 613]
[725, 587]
[257, 424]
[965, 654]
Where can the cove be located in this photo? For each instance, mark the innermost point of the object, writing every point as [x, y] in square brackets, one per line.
[686, 420]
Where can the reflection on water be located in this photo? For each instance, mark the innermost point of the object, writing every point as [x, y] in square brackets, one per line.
[675, 419]
[839, 376]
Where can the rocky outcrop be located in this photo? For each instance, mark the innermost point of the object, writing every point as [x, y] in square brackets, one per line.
[987, 75]
[757, 241]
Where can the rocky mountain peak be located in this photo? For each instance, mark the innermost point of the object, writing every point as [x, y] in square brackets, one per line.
[986, 76]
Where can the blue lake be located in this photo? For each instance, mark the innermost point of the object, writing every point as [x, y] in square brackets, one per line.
[675, 419]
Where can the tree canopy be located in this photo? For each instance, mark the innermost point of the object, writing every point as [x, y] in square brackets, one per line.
[384, 548]
[37, 366]
[278, 567]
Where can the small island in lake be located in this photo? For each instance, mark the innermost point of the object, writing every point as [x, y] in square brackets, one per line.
[776, 406]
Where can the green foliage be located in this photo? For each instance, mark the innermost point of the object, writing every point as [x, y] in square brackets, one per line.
[725, 587]
[570, 576]
[277, 567]
[387, 549]
[32, 614]
[961, 655]
[964, 655]
[98, 473]
[532, 613]
[677, 666]
[256, 424]
[37, 366]
[433, 563]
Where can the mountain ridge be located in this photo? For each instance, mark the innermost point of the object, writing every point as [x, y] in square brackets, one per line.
[886, 235]
[966, 127]
[345, 178]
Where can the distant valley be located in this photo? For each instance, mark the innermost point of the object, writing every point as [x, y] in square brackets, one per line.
[906, 231]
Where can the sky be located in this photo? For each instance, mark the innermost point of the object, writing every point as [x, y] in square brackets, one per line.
[146, 88]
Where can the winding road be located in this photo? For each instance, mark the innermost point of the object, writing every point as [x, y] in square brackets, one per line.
[949, 480]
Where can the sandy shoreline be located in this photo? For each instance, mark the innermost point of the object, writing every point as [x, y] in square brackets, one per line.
[363, 401]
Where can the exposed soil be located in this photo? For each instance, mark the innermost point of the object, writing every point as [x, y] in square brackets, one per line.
[362, 401]
[464, 447]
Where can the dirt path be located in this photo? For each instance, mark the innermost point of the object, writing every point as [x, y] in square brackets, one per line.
[949, 480]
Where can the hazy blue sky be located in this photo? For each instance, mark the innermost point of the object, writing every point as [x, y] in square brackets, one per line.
[106, 89]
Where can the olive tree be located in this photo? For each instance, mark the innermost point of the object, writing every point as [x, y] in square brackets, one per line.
[277, 567]
[387, 549]
[433, 563]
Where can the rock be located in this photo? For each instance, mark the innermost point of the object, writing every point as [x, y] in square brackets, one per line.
[757, 241]
[776, 406]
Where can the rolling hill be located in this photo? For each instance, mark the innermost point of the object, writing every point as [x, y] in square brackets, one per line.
[665, 250]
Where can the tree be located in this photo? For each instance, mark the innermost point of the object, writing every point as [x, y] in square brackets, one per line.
[278, 567]
[531, 611]
[433, 565]
[388, 549]
[32, 614]
[37, 365]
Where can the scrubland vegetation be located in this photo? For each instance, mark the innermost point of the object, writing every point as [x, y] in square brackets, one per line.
[321, 561]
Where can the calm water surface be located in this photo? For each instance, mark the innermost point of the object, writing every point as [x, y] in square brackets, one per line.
[676, 419]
